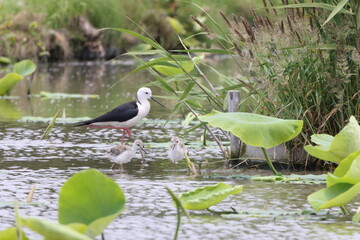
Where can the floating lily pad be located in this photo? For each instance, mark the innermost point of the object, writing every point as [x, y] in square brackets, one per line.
[334, 149]
[205, 197]
[59, 95]
[278, 214]
[47, 120]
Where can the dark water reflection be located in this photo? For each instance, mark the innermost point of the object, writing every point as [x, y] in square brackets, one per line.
[26, 160]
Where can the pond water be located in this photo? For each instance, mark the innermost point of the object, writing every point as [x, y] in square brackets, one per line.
[26, 160]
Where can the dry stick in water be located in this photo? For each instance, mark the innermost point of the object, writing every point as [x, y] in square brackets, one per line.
[31, 194]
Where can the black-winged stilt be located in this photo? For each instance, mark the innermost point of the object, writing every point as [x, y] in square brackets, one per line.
[124, 116]
[178, 151]
[121, 153]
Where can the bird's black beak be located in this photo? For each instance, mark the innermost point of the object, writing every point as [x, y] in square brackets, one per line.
[157, 102]
[142, 149]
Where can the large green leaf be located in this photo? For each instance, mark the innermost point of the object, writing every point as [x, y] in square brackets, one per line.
[11, 234]
[336, 148]
[348, 171]
[205, 197]
[336, 195]
[8, 82]
[25, 67]
[254, 129]
[53, 231]
[89, 197]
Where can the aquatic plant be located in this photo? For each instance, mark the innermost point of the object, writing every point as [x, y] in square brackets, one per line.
[20, 71]
[344, 184]
[200, 199]
[335, 149]
[88, 202]
[297, 62]
[256, 130]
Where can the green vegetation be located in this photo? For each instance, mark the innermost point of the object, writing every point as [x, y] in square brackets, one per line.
[88, 202]
[200, 199]
[256, 130]
[344, 184]
[21, 70]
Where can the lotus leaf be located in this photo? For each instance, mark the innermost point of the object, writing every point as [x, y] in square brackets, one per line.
[11, 234]
[8, 82]
[53, 231]
[24, 67]
[89, 197]
[254, 129]
[336, 195]
[334, 149]
[356, 217]
[205, 197]
[348, 171]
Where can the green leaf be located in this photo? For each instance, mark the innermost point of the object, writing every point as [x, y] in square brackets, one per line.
[335, 11]
[8, 82]
[213, 51]
[254, 129]
[336, 195]
[140, 37]
[53, 231]
[89, 197]
[5, 60]
[173, 69]
[336, 148]
[25, 67]
[315, 5]
[205, 197]
[176, 25]
[356, 218]
[11, 234]
[348, 170]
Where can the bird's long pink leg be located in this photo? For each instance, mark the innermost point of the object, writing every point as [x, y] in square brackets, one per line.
[124, 130]
[121, 167]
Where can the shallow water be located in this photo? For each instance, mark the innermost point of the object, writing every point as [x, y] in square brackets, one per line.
[26, 160]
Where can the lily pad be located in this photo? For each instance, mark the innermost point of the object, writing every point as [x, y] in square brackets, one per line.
[91, 198]
[254, 129]
[59, 95]
[278, 214]
[53, 231]
[205, 197]
[334, 149]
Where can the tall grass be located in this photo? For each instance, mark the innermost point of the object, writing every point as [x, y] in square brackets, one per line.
[302, 63]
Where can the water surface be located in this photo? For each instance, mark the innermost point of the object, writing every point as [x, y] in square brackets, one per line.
[26, 160]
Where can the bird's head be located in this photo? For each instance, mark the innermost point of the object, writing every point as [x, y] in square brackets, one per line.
[174, 140]
[138, 144]
[145, 93]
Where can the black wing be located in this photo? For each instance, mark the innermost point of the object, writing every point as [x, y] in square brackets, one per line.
[121, 113]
